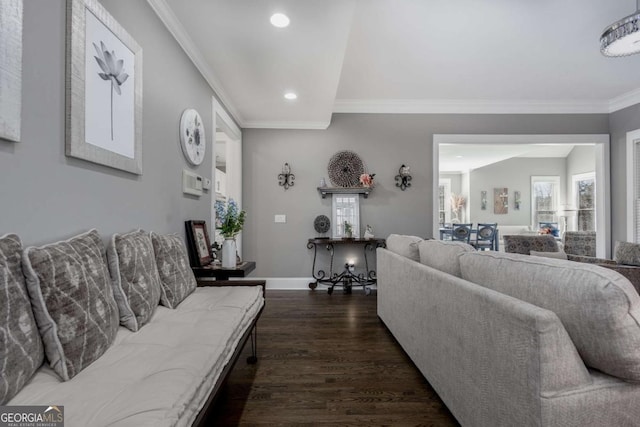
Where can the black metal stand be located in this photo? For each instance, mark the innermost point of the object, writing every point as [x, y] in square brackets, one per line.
[346, 279]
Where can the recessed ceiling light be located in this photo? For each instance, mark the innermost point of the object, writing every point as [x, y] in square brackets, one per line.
[459, 157]
[290, 96]
[279, 20]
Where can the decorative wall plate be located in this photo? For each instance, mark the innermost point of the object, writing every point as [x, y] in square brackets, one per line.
[322, 224]
[192, 138]
[345, 168]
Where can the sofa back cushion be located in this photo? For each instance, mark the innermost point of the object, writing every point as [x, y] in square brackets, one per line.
[21, 350]
[598, 307]
[72, 299]
[443, 255]
[176, 276]
[407, 246]
[135, 280]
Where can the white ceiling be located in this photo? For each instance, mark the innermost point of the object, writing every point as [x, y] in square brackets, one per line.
[463, 56]
[467, 157]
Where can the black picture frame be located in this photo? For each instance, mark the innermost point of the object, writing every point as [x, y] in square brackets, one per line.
[198, 243]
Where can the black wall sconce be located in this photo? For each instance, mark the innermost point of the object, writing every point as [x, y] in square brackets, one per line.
[404, 177]
[286, 177]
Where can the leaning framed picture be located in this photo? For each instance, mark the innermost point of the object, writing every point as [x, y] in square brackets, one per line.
[103, 89]
[198, 242]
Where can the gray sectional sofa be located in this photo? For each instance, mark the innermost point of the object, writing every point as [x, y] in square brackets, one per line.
[122, 338]
[514, 340]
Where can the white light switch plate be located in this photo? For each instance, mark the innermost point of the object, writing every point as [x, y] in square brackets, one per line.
[280, 219]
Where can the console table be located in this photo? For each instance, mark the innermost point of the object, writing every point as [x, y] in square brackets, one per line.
[347, 279]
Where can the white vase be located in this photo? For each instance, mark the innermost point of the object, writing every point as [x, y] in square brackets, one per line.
[229, 253]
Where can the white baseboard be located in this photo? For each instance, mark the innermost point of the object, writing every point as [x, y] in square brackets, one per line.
[291, 283]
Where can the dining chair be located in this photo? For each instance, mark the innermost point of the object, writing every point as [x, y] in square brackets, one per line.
[461, 233]
[485, 236]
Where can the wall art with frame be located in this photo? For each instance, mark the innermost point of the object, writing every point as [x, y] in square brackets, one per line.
[198, 243]
[10, 69]
[104, 89]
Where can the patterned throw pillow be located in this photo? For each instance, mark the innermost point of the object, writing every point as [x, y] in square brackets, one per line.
[21, 351]
[627, 253]
[72, 301]
[176, 276]
[135, 280]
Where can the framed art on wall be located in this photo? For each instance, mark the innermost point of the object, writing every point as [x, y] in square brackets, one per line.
[104, 89]
[198, 243]
[10, 69]
[501, 201]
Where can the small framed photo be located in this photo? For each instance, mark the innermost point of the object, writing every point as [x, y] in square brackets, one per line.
[198, 242]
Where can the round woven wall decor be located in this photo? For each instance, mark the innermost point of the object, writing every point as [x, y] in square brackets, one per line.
[345, 168]
[321, 224]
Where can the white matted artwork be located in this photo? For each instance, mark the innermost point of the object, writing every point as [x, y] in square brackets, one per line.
[10, 69]
[104, 89]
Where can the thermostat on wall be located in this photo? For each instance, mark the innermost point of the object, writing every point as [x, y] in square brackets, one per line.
[191, 183]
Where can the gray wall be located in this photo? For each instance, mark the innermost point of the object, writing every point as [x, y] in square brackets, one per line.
[620, 123]
[515, 174]
[47, 196]
[384, 141]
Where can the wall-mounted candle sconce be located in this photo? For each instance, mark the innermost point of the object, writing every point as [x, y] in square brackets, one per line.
[286, 177]
[404, 177]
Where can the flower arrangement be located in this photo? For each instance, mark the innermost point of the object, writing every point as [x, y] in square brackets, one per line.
[366, 180]
[230, 220]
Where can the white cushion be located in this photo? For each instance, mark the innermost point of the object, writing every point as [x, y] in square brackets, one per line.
[161, 375]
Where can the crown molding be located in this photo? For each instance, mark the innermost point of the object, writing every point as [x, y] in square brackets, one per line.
[170, 20]
[625, 100]
[446, 106]
[286, 125]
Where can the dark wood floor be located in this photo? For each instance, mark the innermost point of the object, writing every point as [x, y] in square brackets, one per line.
[327, 359]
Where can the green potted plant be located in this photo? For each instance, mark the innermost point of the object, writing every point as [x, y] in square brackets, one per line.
[348, 230]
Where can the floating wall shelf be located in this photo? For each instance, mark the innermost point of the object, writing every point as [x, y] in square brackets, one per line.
[344, 190]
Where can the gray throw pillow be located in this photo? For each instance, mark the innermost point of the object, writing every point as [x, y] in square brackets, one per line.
[407, 246]
[21, 351]
[72, 299]
[627, 253]
[135, 280]
[176, 276]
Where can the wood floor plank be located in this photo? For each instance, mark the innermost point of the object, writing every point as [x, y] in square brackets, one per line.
[327, 360]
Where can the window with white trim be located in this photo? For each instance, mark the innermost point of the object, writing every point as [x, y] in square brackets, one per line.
[444, 200]
[633, 186]
[584, 196]
[545, 197]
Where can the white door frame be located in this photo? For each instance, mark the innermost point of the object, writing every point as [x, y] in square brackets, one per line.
[603, 177]
[632, 138]
[222, 120]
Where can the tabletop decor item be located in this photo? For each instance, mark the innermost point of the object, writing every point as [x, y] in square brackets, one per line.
[229, 221]
[285, 179]
[348, 230]
[198, 243]
[366, 180]
[368, 232]
[322, 224]
[404, 177]
[345, 168]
